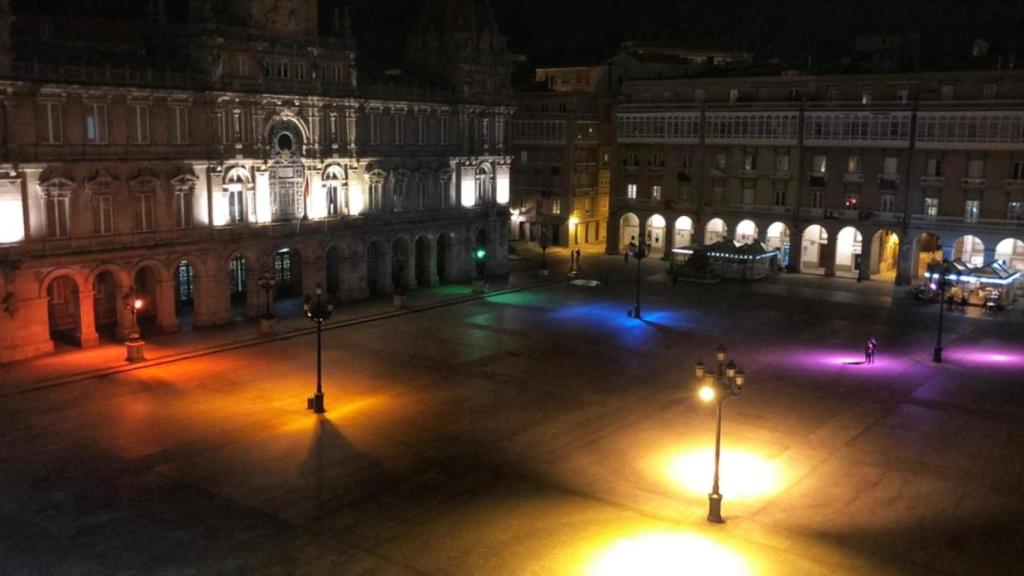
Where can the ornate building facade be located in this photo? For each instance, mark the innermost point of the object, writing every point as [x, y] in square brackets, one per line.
[255, 150]
[869, 175]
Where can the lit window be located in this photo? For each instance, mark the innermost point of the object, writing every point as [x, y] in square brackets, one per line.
[96, 124]
[820, 164]
[631, 191]
[183, 208]
[933, 168]
[972, 210]
[931, 207]
[656, 192]
[556, 206]
[853, 164]
[1015, 211]
[891, 166]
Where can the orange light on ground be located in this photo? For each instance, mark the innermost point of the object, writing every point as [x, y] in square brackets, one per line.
[744, 475]
[665, 554]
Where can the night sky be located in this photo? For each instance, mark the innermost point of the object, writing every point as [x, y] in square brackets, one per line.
[585, 31]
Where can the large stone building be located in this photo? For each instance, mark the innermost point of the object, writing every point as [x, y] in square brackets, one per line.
[185, 160]
[862, 175]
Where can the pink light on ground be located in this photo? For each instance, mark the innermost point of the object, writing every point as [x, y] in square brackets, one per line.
[990, 356]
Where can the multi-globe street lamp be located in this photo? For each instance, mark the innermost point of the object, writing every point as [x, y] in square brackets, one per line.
[942, 282]
[724, 384]
[638, 252]
[318, 310]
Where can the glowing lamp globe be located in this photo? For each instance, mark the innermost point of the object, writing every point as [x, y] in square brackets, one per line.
[706, 393]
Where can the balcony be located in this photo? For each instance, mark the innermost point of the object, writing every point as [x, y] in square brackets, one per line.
[959, 222]
[780, 175]
[812, 213]
[887, 216]
[1015, 184]
[817, 179]
[889, 182]
[749, 173]
[973, 182]
[853, 177]
[933, 180]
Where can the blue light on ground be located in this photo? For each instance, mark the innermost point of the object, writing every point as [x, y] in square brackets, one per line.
[612, 318]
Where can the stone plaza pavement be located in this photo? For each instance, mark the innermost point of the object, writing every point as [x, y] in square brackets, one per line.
[542, 432]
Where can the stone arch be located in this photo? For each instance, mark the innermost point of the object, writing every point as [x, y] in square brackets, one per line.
[403, 268]
[970, 249]
[715, 230]
[654, 234]
[109, 283]
[378, 266]
[683, 229]
[629, 229]
[282, 120]
[1010, 251]
[885, 253]
[813, 252]
[426, 274]
[849, 250]
[62, 289]
[927, 250]
[287, 266]
[747, 232]
[777, 237]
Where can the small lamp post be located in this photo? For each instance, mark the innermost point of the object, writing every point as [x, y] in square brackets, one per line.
[135, 347]
[480, 262]
[638, 253]
[266, 284]
[942, 283]
[318, 310]
[725, 384]
[545, 243]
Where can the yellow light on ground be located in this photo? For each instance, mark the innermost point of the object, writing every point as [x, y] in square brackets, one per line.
[744, 475]
[665, 554]
[707, 393]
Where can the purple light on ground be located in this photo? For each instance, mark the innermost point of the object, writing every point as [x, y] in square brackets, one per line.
[832, 359]
[992, 356]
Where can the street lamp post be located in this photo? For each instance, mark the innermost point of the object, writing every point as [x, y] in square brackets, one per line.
[135, 347]
[725, 384]
[942, 284]
[319, 310]
[266, 284]
[545, 243]
[638, 253]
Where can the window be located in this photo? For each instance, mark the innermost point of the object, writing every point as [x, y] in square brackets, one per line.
[374, 127]
[780, 193]
[179, 125]
[282, 69]
[631, 191]
[990, 91]
[931, 207]
[376, 195]
[933, 168]
[57, 216]
[339, 73]
[903, 95]
[556, 206]
[782, 163]
[444, 130]
[103, 215]
[139, 124]
[891, 166]
[421, 130]
[243, 66]
[975, 168]
[888, 203]
[750, 160]
[485, 128]
[851, 201]
[1017, 171]
[183, 208]
[236, 189]
[865, 94]
[300, 71]
[54, 124]
[820, 165]
[398, 194]
[734, 95]
[972, 210]
[332, 195]
[422, 190]
[96, 124]
[144, 212]
[817, 199]
[947, 92]
[794, 94]
[1015, 211]
[853, 164]
[268, 67]
[656, 192]
[399, 129]
[832, 94]
[748, 192]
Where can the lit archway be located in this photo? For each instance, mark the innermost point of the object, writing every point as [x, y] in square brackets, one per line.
[928, 249]
[63, 310]
[629, 230]
[684, 232]
[746, 232]
[715, 231]
[1011, 253]
[184, 286]
[654, 234]
[885, 253]
[970, 249]
[849, 250]
[812, 249]
[777, 238]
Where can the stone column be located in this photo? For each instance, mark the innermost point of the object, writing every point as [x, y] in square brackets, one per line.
[905, 264]
[124, 316]
[166, 313]
[26, 332]
[353, 282]
[254, 305]
[212, 299]
[830, 254]
[612, 235]
[87, 336]
[796, 253]
[866, 261]
[432, 263]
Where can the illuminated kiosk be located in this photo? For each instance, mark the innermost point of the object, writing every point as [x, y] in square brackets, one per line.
[991, 285]
[727, 260]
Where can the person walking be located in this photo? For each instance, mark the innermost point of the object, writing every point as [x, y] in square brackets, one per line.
[867, 352]
[873, 344]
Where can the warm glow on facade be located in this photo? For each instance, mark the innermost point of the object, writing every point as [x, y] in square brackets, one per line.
[12, 224]
[503, 187]
[264, 212]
